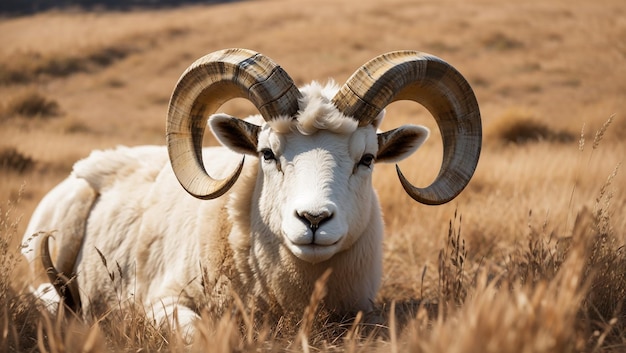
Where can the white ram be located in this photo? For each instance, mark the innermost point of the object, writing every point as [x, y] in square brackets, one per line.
[303, 204]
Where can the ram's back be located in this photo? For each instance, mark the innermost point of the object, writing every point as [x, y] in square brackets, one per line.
[123, 223]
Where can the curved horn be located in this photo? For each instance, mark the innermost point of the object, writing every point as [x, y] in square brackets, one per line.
[65, 287]
[208, 83]
[440, 88]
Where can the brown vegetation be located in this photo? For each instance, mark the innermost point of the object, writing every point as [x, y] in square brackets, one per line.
[12, 160]
[528, 258]
[520, 127]
[30, 104]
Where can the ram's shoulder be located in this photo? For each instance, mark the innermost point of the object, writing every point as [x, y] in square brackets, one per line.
[105, 168]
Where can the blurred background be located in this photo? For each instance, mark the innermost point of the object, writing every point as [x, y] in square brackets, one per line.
[26, 7]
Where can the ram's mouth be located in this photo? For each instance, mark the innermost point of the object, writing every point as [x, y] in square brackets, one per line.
[314, 253]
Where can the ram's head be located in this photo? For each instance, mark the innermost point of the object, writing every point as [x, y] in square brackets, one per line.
[317, 148]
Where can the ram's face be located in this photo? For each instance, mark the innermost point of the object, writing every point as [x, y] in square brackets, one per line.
[314, 186]
[316, 189]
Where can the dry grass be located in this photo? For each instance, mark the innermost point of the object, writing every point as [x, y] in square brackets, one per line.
[560, 293]
[12, 160]
[30, 104]
[520, 127]
[528, 258]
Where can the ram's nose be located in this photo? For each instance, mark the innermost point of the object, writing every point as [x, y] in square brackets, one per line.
[314, 220]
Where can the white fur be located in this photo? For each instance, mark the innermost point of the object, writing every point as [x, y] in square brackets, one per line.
[178, 255]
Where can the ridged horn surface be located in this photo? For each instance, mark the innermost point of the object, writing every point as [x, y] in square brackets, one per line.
[207, 84]
[66, 287]
[430, 81]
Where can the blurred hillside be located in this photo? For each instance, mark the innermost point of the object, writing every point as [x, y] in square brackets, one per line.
[26, 7]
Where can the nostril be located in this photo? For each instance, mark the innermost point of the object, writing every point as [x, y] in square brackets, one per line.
[314, 219]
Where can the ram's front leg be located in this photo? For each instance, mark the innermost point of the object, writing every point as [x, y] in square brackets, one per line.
[171, 314]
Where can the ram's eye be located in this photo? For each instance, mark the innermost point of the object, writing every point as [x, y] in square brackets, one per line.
[367, 160]
[268, 155]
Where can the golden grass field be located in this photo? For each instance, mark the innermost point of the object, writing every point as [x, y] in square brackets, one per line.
[528, 258]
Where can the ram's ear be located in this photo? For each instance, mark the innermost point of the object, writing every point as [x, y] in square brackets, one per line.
[379, 119]
[397, 144]
[236, 134]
